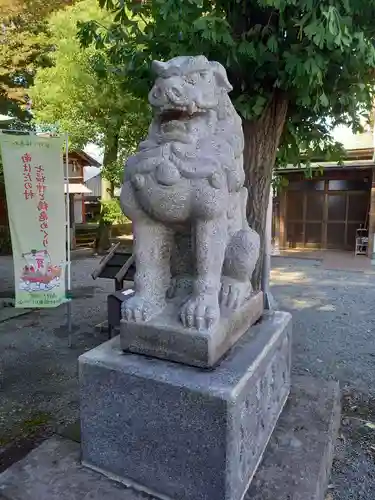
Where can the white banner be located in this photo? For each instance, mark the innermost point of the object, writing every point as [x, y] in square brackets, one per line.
[34, 183]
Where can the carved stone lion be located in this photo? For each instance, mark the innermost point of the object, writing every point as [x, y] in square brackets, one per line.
[184, 192]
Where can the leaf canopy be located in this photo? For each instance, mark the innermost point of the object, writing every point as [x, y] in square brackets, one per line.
[80, 93]
[23, 48]
[318, 53]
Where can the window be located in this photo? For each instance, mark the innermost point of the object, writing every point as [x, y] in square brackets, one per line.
[306, 185]
[347, 185]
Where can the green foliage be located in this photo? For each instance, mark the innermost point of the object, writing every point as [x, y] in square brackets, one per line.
[111, 212]
[279, 182]
[80, 93]
[24, 47]
[319, 55]
[113, 172]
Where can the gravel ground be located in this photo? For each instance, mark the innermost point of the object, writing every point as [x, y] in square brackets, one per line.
[334, 326]
[333, 338]
[38, 371]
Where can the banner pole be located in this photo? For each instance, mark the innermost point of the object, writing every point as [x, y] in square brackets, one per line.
[68, 235]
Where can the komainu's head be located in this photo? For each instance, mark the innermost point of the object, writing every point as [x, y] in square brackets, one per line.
[186, 86]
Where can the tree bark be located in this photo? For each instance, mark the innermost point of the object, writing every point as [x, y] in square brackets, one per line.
[262, 139]
[102, 242]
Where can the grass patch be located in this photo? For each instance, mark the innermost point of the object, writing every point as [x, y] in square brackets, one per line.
[26, 428]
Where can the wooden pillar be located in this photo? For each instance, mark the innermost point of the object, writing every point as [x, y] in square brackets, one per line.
[282, 219]
[83, 210]
[371, 225]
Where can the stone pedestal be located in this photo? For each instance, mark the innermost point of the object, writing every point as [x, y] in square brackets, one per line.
[296, 464]
[180, 432]
[165, 337]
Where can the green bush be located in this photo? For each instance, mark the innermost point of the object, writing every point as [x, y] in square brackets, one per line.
[111, 212]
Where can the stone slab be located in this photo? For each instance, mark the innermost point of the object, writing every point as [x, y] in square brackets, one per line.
[177, 431]
[165, 337]
[53, 472]
[298, 460]
[296, 464]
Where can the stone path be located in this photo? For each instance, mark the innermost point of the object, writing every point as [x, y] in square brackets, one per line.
[332, 259]
[334, 325]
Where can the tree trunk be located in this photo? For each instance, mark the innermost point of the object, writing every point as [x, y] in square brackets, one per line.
[262, 139]
[110, 156]
[102, 242]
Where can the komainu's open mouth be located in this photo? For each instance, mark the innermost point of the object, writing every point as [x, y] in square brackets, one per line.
[174, 115]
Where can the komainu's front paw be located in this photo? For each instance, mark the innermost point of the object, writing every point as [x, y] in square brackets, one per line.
[234, 293]
[200, 312]
[139, 308]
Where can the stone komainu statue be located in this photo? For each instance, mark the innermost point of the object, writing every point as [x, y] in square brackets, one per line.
[184, 192]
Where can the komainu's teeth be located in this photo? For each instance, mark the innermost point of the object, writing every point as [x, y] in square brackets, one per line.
[192, 108]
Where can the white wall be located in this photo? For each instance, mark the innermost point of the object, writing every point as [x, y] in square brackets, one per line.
[78, 209]
[95, 185]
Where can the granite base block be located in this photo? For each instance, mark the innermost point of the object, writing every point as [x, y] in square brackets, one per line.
[180, 432]
[164, 337]
[296, 464]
